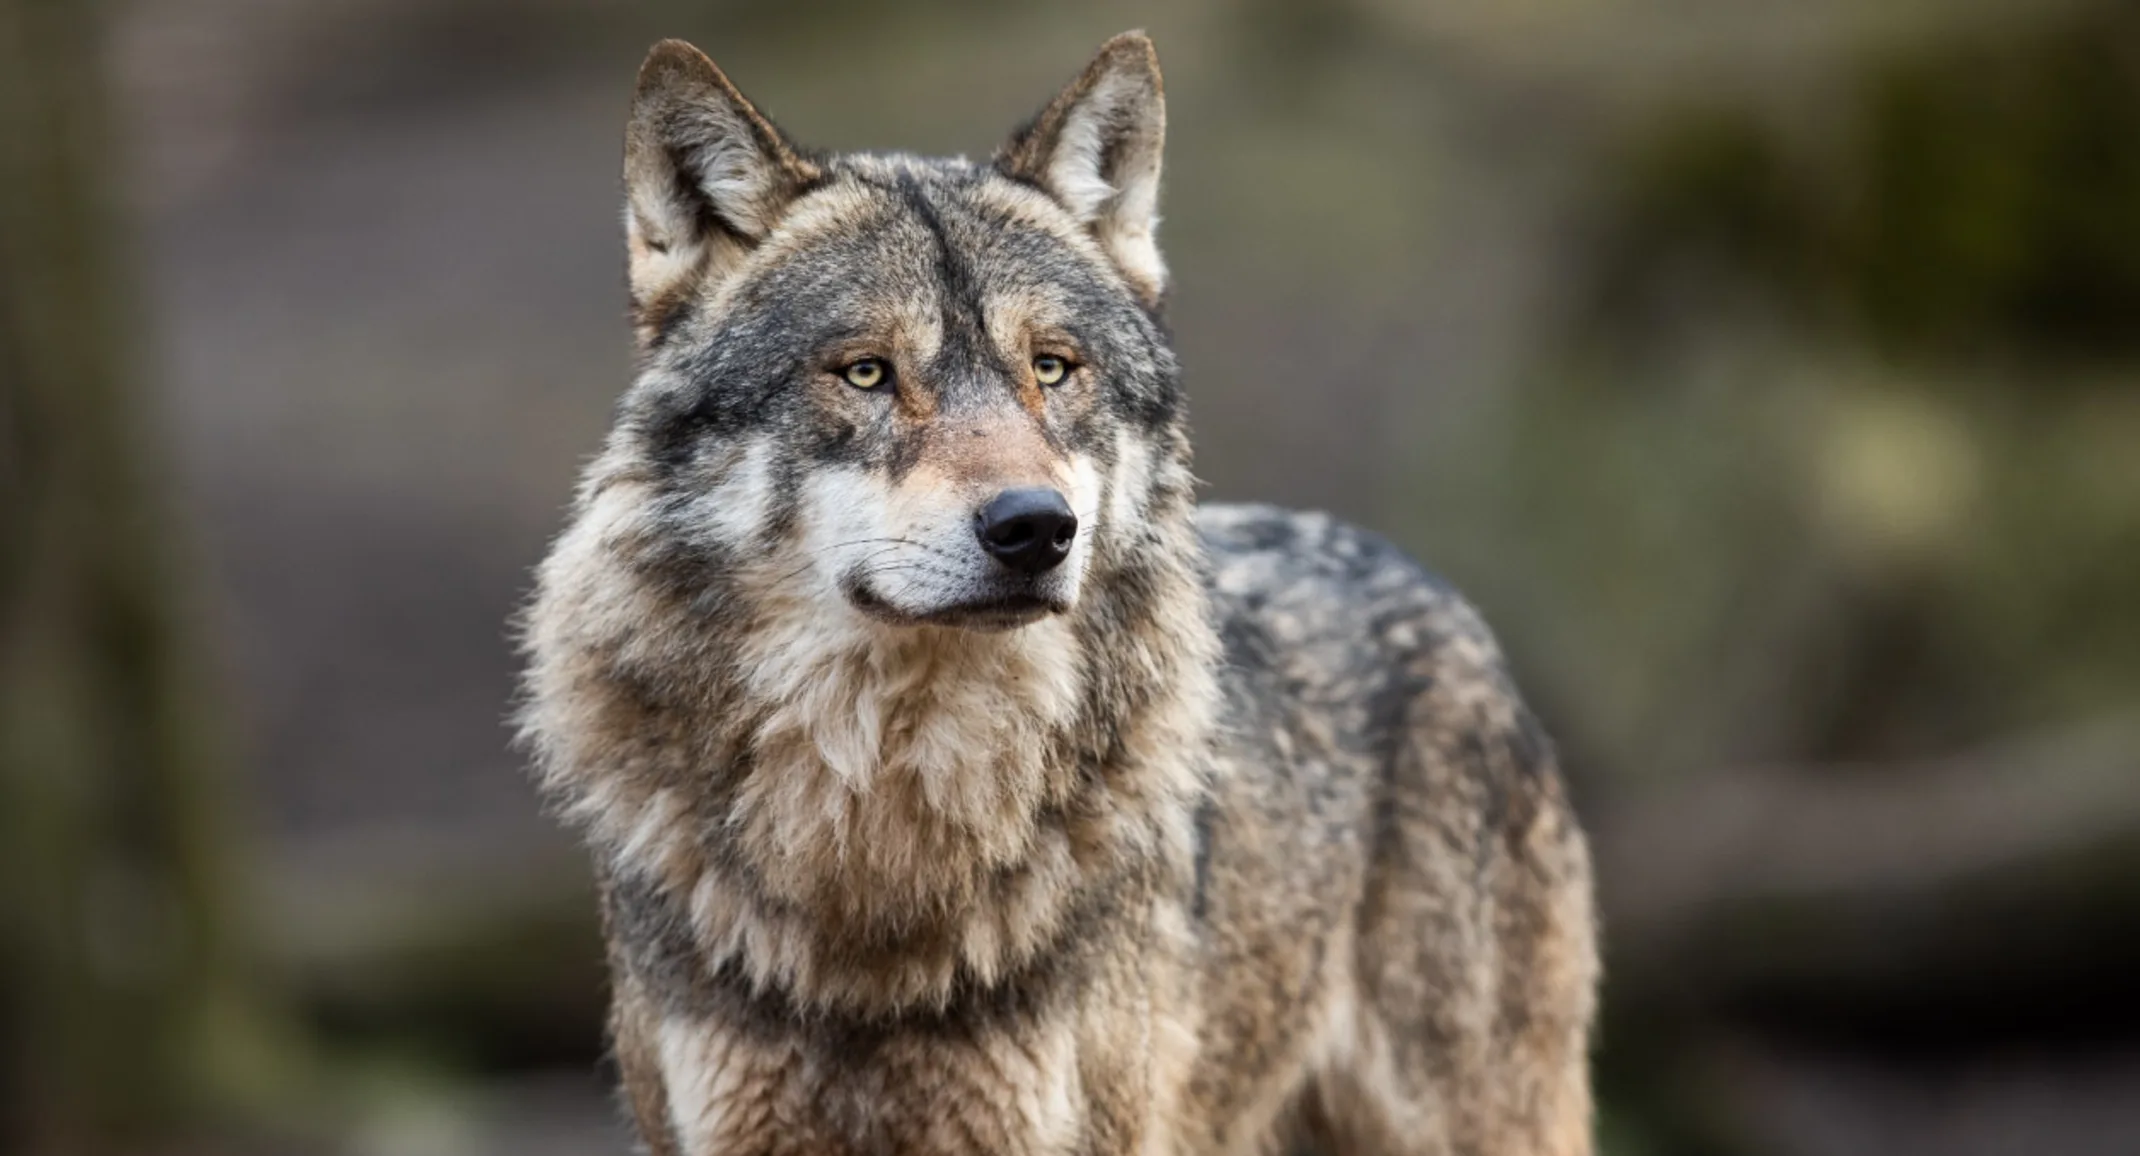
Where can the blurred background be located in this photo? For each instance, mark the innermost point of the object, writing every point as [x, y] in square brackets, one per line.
[1769, 373]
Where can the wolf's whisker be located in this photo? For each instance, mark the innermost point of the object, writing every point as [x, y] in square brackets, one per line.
[880, 552]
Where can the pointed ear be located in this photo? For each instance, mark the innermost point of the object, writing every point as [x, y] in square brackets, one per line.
[1096, 148]
[706, 177]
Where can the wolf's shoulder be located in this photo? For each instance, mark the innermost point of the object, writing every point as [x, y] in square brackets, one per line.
[1305, 562]
[1324, 601]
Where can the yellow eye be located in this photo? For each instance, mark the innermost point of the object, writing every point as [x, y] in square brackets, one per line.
[1049, 369]
[868, 373]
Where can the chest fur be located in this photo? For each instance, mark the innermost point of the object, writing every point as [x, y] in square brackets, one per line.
[1011, 1092]
[899, 770]
[807, 789]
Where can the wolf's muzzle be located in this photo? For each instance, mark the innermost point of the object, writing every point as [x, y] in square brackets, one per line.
[1029, 530]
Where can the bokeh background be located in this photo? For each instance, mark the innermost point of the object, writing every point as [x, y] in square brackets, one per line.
[1770, 374]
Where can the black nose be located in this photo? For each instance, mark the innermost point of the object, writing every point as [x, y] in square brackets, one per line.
[1028, 530]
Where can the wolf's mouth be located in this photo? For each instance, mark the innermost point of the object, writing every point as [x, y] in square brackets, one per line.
[1006, 611]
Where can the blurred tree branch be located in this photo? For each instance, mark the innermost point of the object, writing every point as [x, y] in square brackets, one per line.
[1869, 895]
[1961, 906]
[128, 1012]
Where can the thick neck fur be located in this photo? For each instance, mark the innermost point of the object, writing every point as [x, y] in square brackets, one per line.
[861, 815]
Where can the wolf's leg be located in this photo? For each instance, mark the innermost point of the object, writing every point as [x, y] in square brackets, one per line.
[631, 1027]
[1547, 937]
[1477, 956]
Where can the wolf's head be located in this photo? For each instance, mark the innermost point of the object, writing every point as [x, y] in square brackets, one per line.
[891, 548]
[928, 392]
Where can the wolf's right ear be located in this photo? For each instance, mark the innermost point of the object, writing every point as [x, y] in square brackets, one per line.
[706, 177]
[1096, 148]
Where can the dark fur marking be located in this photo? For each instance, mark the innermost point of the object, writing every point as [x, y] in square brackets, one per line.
[903, 453]
[785, 510]
[967, 360]
[665, 316]
[661, 951]
[1207, 813]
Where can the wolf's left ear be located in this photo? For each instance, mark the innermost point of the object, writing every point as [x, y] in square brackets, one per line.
[1096, 148]
[706, 177]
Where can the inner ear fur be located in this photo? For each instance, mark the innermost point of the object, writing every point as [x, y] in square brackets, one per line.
[1096, 149]
[706, 177]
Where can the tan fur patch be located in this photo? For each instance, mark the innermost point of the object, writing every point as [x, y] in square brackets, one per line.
[1197, 833]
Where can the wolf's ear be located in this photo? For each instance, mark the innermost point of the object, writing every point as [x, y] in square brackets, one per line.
[706, 177]
[1096, 148]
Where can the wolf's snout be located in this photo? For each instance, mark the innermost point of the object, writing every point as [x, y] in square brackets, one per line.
[1028, 530]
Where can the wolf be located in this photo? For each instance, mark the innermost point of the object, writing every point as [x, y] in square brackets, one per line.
[954, 784]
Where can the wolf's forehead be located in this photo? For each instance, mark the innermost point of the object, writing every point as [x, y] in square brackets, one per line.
[926, 232]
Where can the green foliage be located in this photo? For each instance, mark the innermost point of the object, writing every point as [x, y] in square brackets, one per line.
[1834, 460]
[1976, 196]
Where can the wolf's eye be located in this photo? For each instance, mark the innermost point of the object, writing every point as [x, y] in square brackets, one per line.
[1049, 369]
[868, 373]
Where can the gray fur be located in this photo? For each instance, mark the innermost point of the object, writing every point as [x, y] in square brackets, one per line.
[1228, 831]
